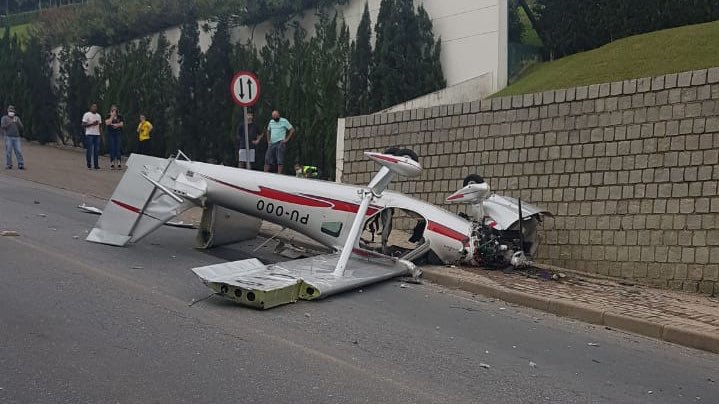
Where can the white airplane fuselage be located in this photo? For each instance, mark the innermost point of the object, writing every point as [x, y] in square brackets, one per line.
[322, 210]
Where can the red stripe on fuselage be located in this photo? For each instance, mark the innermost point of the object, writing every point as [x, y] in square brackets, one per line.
[447, 232]
[126, 206]
[302, 199]
[343, 206]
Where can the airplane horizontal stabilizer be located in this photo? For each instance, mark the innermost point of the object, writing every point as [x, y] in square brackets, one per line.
[142, 201]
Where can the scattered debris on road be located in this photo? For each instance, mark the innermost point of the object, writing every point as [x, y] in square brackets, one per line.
[9, 233]
[484, 365]
[89, 209]
[592, 344]
[532, 364]
[138, 267]
[41, 215]
[403, 285]
[193, 301]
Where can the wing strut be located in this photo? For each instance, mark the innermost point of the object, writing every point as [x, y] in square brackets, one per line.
[391, 165]
[355, 231]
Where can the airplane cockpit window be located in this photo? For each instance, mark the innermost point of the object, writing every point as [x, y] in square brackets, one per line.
[332, 228]
[397, 233]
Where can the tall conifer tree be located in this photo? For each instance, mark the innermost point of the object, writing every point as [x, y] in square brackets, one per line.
[360, 59]
[187, 116]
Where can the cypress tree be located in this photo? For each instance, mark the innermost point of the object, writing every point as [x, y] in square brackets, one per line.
[75, 86]
[187, 117]
[431, 65]
[405, 61]
[217, 102]
[41, 112]
[358, 102]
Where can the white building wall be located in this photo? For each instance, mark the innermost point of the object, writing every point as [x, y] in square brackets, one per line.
[473, 33]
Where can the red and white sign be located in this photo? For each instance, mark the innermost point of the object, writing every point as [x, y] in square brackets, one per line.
[245, 89]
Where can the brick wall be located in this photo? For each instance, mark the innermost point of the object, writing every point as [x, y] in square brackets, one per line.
[630, 169]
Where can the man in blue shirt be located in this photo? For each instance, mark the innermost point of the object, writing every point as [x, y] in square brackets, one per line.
[279, 132]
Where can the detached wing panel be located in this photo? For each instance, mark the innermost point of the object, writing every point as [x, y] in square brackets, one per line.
[252, 283]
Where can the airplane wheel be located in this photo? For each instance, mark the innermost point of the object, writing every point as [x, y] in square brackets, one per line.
[396, 151]
[472, 179]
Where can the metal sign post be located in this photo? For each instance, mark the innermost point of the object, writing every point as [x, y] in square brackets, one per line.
[245, 89]
[247, 141]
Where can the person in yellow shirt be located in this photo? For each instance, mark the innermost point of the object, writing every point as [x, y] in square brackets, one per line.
[143, 132]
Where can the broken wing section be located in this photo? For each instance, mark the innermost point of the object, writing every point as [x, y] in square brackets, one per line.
[252, 283]
[152, 191]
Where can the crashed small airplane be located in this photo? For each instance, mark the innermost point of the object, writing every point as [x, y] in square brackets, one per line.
[499, 231]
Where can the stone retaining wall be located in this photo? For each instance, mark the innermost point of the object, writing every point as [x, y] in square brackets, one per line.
[630, 169]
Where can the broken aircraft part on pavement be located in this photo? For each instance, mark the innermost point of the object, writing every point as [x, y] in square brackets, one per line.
[353, 221]
[252, 283]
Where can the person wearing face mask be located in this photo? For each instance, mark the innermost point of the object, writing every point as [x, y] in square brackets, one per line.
[10, 127]
[279, 132]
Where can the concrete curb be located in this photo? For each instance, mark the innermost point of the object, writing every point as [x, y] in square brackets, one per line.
[578, 311]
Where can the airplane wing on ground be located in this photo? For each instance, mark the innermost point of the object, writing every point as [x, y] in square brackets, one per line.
[252, 283]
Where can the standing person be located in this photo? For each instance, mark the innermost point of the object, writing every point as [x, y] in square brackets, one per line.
[91, 122]
[280, 131]
[143, 133]
[252, 131]
[10, 127]
[114, 126]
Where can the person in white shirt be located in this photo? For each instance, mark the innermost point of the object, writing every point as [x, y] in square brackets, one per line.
[91, 122]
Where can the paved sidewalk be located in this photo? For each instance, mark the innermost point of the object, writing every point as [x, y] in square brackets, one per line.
[687, 319]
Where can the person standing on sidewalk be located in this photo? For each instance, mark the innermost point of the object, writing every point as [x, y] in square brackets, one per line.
[143, 133]
[10, 127]
[114, 126]
[280, 131]
[91, 122]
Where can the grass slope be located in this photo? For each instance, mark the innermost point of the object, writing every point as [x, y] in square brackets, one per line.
[668, 51]
[22, 31]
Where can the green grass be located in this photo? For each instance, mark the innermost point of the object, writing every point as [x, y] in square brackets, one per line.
[22, 31]
[668, 51]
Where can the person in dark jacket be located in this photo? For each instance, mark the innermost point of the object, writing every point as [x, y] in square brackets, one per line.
[10, 127]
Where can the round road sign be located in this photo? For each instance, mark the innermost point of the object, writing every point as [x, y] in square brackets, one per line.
[245, 89]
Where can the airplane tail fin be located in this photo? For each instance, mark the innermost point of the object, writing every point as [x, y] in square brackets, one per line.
[152, 191]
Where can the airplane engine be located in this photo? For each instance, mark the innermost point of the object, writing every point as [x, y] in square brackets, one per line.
[504, 229]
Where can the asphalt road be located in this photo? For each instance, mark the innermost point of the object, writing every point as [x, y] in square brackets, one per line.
[82, 322]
